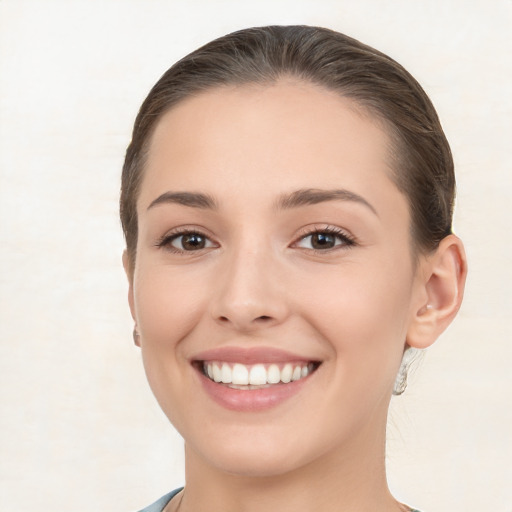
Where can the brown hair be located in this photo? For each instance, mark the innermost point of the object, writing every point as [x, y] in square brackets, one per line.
[423, 165]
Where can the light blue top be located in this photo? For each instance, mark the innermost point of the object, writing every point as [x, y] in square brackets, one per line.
[159, 505]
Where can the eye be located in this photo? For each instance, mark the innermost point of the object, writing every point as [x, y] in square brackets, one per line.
[323, 240]
[186, 242]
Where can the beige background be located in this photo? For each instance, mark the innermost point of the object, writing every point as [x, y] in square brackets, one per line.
[80, 430]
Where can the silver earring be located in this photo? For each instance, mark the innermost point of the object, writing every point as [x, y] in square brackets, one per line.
[401, 380]
[409, 356]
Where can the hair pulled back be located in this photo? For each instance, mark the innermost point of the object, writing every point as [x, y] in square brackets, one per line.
[422, 160]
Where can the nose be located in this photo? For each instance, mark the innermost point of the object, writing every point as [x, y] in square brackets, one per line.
[250, 293]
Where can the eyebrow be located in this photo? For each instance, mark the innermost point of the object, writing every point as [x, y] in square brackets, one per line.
[192, 199]
[310, 196]
[302, 197]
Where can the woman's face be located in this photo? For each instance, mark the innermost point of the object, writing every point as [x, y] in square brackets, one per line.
[272, 245]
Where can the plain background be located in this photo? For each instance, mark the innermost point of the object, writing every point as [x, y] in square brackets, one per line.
[80, 429]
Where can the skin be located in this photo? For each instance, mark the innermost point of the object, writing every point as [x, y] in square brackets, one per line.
[258, 281]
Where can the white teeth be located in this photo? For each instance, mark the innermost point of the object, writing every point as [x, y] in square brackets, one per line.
[226, 375]
[240, 374]
[217, 374]
[296, 373]
[255, 375]
[286, 373]
[273, 374]
[258, 375]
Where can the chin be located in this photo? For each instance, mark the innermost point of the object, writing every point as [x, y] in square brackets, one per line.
[255, 464]
[258, 453]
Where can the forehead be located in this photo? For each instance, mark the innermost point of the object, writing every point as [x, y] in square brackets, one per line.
[270, 138]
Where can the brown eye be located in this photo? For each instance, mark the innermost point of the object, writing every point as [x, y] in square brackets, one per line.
[190, 242]
[324, 240]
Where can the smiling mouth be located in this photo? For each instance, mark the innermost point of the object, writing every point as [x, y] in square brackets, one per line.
[255, 376]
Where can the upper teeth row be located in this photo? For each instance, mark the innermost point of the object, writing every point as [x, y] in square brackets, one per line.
[257, 374]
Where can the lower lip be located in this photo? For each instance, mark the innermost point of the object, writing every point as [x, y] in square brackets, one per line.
[251, 400]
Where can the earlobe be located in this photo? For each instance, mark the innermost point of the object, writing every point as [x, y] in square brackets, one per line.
[444, 277]
[129, 274]
[136, 336]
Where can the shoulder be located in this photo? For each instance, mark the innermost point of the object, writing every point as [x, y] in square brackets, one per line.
[160, 504]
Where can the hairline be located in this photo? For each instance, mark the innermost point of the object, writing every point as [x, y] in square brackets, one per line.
[396, 147]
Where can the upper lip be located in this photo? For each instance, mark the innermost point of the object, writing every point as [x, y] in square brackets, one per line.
[250, 355]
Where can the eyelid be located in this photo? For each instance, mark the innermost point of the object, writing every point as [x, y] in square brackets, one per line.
[348, 240]
[164, 242]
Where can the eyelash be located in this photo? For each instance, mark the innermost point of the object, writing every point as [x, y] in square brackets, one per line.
[346, 240]
[166, 241]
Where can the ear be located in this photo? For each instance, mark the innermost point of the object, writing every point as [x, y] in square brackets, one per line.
[441, 287]
[128, 269]
[129, 274]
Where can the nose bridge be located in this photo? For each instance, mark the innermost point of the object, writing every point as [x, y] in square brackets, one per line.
[250, 293]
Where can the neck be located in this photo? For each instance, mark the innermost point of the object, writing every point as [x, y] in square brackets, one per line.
[348, 479]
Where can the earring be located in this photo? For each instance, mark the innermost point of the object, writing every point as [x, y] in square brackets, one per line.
[426, 308]
[401, 380]
[409, 356]
[136, 337]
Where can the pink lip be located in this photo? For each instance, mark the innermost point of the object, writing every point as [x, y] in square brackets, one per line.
[253, 355]
[250, 400]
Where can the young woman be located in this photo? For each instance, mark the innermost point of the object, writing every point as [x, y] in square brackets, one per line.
[287, 201]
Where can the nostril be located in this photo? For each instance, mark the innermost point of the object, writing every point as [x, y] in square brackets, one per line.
[262, 318]
[245, 320]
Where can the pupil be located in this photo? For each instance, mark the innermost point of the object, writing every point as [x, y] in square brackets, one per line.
[322, 241]
[193, 241]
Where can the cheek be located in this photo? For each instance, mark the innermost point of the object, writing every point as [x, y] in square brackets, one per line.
[167, 305]
[364, 317]
[167, 310]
